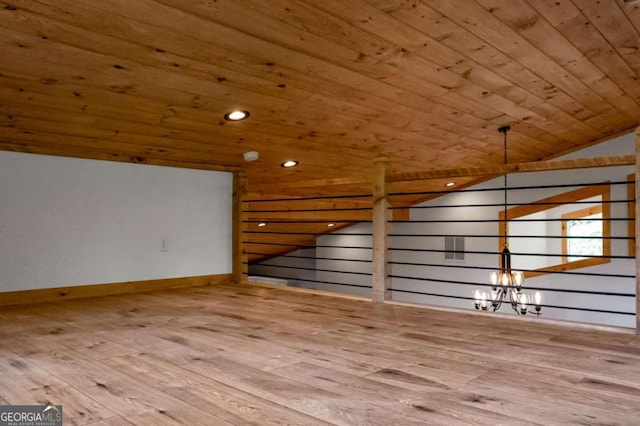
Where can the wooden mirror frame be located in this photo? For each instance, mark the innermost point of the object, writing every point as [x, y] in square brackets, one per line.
[603, 190]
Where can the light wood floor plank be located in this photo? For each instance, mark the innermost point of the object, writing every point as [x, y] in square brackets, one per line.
[37, 386]
[226, 402]
[112, 421]
[258, 355]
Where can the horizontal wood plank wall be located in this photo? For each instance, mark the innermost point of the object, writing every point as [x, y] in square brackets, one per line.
[85, 291]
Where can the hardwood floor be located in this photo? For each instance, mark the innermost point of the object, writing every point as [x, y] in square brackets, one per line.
[253, 355]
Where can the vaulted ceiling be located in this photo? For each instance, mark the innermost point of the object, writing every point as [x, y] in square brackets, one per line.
[331, 84]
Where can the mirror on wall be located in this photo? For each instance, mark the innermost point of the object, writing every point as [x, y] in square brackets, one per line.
[574, 226]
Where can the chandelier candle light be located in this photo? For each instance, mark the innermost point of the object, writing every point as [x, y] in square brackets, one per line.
[506, 283]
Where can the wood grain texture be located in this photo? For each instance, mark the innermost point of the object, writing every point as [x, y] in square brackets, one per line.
[46, 295]
[246, 354]
[239, 258]
[329, 83]
[538, 166]
[380, 229]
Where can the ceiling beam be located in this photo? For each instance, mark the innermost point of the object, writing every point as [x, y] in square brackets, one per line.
[113, 155]
[315, 183]
[537, 166]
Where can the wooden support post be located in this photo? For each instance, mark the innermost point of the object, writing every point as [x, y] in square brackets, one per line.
[380, 230]
[637, 134]
[239, 258]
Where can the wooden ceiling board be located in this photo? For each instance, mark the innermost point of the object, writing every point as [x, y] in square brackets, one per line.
[332, 84]
[632, 12]
[463, 83]
[460, 40]
[511, 43]
[93, 154]
[202, 141]
[552, 43]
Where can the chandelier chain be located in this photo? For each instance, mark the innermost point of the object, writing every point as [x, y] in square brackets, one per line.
[506, 227]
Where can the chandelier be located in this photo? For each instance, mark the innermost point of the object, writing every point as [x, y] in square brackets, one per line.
[506, 284]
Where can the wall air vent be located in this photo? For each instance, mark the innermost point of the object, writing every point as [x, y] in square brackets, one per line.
[453, 248]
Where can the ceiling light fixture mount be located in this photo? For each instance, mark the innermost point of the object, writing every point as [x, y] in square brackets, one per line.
[289, 163]
[251, 155]
[236, 115]
[506, 283]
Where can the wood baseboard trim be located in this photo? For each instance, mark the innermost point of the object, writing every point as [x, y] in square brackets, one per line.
[46, 295]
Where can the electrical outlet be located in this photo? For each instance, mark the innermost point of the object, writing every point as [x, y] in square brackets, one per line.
[164, 245]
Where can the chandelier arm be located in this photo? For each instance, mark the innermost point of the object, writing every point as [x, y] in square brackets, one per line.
[499, 301]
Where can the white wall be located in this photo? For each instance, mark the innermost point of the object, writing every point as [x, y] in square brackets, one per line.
[295, 267]
[355, 261]
[67, 221]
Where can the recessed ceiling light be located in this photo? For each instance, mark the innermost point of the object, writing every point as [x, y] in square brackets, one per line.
[290, 163]
[236, 115]
[261, 224]
[331, 225]
[450, 184]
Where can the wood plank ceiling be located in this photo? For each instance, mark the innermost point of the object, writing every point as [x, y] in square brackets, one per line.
[331, 84]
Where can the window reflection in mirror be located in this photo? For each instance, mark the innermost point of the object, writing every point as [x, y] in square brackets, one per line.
[577, 232]
[582, 233]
